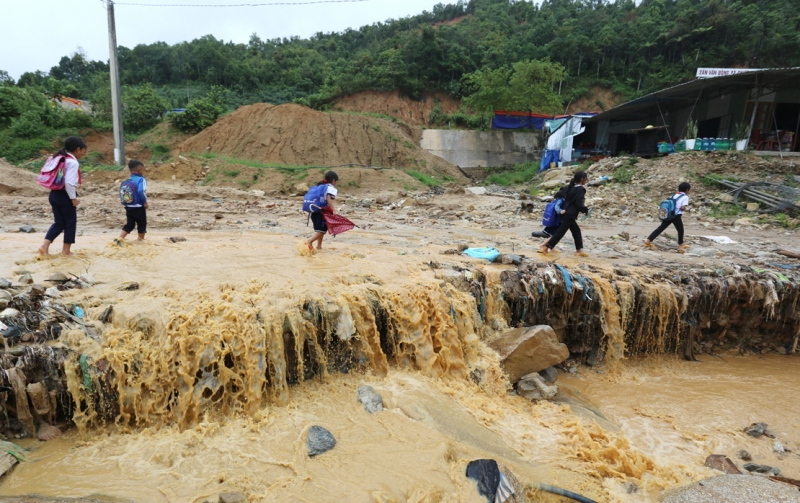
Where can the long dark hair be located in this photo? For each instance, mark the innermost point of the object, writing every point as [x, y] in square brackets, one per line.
[577, 178]
[330, 176]
[71, 144]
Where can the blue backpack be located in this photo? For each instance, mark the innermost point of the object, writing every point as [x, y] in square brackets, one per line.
[316, 198]
[552, 213]
[129, 192]
[667, 208]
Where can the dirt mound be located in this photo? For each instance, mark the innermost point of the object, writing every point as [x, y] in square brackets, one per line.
[17, 181]
[393, 104]
[294, 135]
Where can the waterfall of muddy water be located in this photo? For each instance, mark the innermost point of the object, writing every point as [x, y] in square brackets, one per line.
[212, 372]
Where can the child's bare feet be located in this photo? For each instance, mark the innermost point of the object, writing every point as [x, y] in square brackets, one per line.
[648, 244]
[544, 250]
[581, 253]
[67, 254]
[43, 250]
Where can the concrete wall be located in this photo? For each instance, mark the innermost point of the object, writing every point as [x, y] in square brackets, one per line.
[479, 149]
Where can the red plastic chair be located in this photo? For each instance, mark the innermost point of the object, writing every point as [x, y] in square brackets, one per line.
[755, 140]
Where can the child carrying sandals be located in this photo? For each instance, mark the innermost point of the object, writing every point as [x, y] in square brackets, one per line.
[320, 198]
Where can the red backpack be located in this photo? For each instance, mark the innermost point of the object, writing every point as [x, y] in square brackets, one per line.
[52, 174]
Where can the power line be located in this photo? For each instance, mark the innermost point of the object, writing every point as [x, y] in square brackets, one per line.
[239, 5]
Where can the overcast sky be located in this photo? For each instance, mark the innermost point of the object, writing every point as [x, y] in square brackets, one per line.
[35, 34]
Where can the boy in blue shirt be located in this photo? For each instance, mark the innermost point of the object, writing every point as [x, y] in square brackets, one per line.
[133, 194]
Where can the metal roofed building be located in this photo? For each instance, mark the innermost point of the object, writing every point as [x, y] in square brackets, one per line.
[767, 100]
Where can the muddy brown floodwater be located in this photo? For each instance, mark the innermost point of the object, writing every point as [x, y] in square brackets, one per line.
[203, 408]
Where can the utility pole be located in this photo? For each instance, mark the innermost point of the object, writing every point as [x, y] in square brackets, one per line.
[116, 94]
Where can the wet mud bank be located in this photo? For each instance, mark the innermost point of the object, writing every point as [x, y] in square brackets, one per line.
[238, 350]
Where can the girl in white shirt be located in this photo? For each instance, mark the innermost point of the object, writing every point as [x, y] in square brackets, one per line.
[65, 202]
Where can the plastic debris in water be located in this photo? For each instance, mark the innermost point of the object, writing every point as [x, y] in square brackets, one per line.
[77, 311]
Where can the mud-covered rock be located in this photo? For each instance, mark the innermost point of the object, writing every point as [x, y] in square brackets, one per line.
[5, 299]
[370, 399]
[319, 440]
[733, 489]
[26, 279]
[756, 429]
[550, 374]
[534, 387]
[235, 497]
[529, 349]
[4, 283]
[722, 463]
[757, 468]
[744, 455]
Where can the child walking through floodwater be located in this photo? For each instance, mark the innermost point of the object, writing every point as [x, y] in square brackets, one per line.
[320, 198]
[133, 194]
[574, 197]
[64, 202]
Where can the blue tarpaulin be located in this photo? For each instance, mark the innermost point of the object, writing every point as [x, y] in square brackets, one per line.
[548, 157]
[511, 122]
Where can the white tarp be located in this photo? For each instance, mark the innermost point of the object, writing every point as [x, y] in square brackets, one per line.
[561, 138]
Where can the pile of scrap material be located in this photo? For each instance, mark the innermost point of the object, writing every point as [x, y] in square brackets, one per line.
[689, 311]
[34, 392]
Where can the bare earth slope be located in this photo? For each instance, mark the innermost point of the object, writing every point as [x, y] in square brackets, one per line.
[295, 135]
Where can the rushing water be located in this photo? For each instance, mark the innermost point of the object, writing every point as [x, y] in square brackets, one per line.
[227, 354]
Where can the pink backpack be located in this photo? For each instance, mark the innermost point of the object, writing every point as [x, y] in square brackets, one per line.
[52, 174]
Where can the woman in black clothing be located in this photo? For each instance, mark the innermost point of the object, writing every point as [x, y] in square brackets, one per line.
[574, 203]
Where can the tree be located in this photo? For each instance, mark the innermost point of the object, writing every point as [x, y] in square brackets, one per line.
[203, 112]
[5, 79]
[143, 108]
[526, 86]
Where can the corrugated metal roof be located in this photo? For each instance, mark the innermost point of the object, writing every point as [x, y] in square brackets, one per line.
[690, 91]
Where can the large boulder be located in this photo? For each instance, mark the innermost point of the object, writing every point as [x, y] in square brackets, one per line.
[734, 489]
[526, 350]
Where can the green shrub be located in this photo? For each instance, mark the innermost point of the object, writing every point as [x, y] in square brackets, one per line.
[519, 174]
[624, 174]
[201, 113]
[423, 178]
[144, 108]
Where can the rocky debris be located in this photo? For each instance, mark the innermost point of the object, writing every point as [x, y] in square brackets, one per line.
[319, 440]
[733, 489]
[550, 374]
[722, 463]
[754, 467]
[58, 277]
[523, 351]
[744, 455]
[509, 259]
[631, 487]
[25, 279]
[233, 497]
[5, 299]
[27, 229]
[176, 239]
[370, 399]
[47, 432]
[478, 191]
[534, 387]
[4, 283]
[756, 429]
[596, 357]
[779, 449]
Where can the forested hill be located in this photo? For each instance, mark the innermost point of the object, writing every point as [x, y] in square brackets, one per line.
[618, 45]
